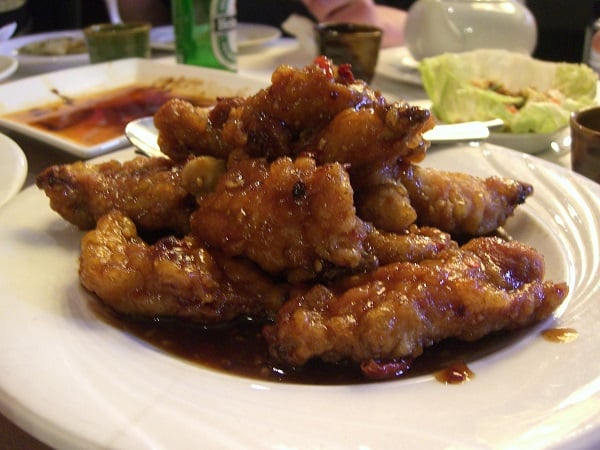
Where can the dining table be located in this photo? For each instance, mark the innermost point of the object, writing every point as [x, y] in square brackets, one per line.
[258, 62]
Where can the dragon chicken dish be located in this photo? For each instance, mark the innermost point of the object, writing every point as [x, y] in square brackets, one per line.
[304, 209]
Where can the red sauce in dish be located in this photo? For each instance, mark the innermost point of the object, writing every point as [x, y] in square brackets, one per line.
[101, 117]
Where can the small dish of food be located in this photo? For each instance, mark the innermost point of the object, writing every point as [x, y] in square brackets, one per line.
[47, 51]
[533, 98]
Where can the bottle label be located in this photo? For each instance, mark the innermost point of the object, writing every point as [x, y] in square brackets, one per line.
[223, 23]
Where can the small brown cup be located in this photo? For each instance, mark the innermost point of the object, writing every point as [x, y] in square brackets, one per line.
[110, 41]
[585, 142]
[351, 43]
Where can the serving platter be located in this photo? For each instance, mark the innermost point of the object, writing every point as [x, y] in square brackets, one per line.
[104, 388]
[41, 90]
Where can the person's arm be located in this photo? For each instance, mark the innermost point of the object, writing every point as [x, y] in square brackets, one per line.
[391, 20]
[155, 11]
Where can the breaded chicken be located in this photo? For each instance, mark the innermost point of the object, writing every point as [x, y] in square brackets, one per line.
[171, 278]
[292, 218]
[148, 190]
[399, 309]
[461, 204]
[412, 245]
[320, 110]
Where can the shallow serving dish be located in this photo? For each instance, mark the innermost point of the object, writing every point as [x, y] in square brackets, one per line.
[104, 388]
[42, 90]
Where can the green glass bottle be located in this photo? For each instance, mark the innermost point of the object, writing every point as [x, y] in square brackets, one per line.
[205, 33]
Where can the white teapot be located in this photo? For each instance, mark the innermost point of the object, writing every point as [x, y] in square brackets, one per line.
[439, 26]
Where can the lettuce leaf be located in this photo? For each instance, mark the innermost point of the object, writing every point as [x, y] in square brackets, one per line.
[536, 96]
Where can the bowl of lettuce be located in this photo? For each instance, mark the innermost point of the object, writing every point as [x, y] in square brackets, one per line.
[534, 98]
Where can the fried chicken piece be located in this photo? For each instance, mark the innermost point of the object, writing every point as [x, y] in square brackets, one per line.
[290, 217]
[149, 190]
[461, 204]
[320, 110]
[395, 311]
[186, 129]
[413, 245]
[380, 198]
[173, 277]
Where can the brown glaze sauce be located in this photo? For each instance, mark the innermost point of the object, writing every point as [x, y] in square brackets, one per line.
[456, 373]
[560, 335]
[101, 117]
[239, 348]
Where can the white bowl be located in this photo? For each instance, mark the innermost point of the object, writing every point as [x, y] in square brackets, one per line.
[533, 143]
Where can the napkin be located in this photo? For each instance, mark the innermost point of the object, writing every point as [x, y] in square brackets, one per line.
[7, 31]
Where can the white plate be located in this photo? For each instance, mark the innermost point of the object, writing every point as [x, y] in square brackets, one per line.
[8, 66]
[248, 35]
[35, 64]
[559, 141]
[76, 382]
[398, 64]
[254, 34]
[13, 168]
[82, 81]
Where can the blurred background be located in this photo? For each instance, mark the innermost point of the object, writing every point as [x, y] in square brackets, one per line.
[561, 23]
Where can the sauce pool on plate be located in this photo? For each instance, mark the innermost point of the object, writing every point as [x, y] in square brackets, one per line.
[239, 349]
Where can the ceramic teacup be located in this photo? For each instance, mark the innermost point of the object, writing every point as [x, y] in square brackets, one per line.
[585, 142]
[351, 43]
[110, 41]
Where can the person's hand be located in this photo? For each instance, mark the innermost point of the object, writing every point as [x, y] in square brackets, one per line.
[390, 20]
[343, 10]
